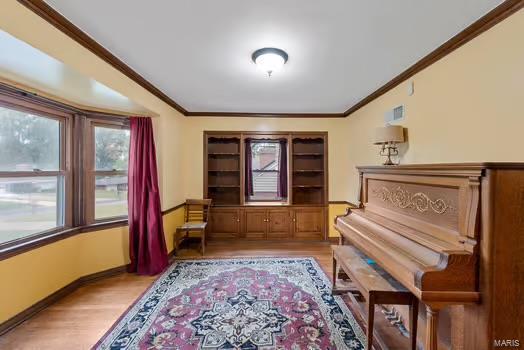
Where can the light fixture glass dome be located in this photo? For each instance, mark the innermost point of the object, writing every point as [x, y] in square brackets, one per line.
[269, 59]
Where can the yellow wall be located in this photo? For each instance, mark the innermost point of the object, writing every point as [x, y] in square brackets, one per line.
[334, 210]
[29, 277]
[467, 107]
[171, 222]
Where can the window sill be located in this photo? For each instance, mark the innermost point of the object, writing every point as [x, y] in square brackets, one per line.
[22, 245]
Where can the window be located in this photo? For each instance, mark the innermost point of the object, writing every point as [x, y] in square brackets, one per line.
[108, 183]
[33, 173]
[266, 157]
[54, 184]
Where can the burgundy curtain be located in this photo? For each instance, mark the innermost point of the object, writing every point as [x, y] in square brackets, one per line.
[147, 246]
[249, 167]
[282, 173]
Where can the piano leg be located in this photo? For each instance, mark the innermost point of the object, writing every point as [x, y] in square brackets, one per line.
[432, 314]
[371, 320]
[334, 272]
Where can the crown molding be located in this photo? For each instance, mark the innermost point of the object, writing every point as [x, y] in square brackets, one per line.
[265, 115]
[42, 9]
[498, 14]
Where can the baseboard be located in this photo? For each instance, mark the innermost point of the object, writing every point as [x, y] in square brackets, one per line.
[59, 294]
[333, 240]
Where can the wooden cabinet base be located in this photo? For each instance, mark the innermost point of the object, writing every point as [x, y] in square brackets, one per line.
[224, 223]
[268, 223]
[309, 223]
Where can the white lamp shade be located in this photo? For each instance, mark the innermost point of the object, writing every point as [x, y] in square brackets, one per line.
[390, 133]
[270, 62]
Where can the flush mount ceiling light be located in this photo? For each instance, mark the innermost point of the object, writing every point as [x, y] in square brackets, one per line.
[269, 59]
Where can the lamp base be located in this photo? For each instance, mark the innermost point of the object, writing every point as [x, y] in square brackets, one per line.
[389, 162]
[391, 151]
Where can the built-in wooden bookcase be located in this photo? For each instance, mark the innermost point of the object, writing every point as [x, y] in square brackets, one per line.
[308, 170]
[302, 216]
[223, 169]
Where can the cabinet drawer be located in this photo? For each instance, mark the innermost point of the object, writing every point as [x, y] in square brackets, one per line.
[279, 224]
[255, 223]
[308, 223]
[224, 223]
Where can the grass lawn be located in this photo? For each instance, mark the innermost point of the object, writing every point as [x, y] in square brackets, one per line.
[13, 206]
[23, 219]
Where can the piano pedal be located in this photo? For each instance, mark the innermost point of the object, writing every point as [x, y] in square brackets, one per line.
[395, 319]
[387, 313]
[393, 316]
[403, 330]
[397, 322]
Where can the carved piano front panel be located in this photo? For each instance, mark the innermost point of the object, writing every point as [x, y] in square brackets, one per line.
[428, 203]
[437, 206]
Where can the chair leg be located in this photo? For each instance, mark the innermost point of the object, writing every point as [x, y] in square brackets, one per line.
[334, 274]
[175, 243]
[371, 320]
[203, 242]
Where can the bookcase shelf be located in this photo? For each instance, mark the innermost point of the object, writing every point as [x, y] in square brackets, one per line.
[308, 168]
[223, 169]
[307, 154]
[308, 171]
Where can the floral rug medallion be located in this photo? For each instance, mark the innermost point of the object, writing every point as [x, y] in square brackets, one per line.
[248, 304]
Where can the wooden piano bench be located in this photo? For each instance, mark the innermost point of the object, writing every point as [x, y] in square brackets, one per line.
[375, 288]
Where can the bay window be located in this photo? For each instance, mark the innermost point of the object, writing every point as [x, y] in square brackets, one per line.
[34, 173]
[62, 170]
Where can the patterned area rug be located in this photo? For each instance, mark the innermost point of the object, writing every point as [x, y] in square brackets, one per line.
[248, 303]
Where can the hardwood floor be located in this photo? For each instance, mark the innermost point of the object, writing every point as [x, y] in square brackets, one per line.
[79, 320]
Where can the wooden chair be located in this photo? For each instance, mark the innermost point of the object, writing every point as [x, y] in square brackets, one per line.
[195, 220]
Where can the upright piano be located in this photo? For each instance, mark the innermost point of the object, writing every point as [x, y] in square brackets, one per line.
[453, 234]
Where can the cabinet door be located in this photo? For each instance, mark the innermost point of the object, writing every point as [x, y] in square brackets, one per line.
[224, 223]
[308, 223]
[279, 224]
[255, 223]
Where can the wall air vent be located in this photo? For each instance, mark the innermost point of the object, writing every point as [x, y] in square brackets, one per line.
[394, 115]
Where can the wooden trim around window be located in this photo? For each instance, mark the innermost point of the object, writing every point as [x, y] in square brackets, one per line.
[88, 163]
[9, 99]
[38, 240]
[71, 167]
[25, 244]
[498, 14]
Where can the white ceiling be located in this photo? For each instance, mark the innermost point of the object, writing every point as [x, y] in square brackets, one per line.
[198, 51]
[22, 64]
